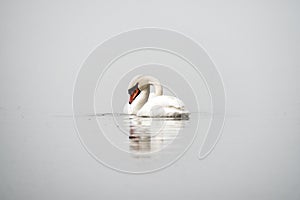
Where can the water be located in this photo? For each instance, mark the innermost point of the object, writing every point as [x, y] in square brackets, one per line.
[141, 135]
[138, 144]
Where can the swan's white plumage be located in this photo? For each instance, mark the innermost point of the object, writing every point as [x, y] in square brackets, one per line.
[156, 105]
[162, 106]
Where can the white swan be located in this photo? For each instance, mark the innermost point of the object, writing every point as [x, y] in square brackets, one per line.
[142, 103]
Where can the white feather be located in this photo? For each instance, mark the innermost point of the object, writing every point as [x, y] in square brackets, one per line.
[156, 105]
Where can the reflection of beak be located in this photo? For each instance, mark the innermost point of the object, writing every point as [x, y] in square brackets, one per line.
[134, 95]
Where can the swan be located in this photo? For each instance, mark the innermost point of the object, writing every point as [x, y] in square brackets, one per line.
[142, 103]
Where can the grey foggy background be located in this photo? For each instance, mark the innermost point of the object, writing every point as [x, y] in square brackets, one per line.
[255, 45]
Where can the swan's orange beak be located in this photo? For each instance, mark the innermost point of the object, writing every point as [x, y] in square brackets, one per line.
[135, 93]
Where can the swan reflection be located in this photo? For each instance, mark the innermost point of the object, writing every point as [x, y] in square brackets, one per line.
[147, 135]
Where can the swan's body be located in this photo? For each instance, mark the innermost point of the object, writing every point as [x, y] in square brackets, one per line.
[144, 104]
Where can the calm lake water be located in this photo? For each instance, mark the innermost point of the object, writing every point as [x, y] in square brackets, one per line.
[139, 144]
[141, 135]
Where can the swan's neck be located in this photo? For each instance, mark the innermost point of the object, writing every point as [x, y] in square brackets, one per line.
[140, 101]
[158, 89]
[142, 98]
[157, 86]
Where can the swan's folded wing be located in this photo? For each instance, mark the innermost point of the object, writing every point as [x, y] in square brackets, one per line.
[163, 106]
[167, 101]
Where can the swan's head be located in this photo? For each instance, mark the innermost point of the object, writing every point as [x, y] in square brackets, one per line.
[139, 90]
[137, 84]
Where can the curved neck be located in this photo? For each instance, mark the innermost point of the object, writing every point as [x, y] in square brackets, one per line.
[156, 84]
[142, 98]
[140, 101]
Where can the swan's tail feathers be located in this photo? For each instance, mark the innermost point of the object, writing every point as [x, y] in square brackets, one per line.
[184, 114]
